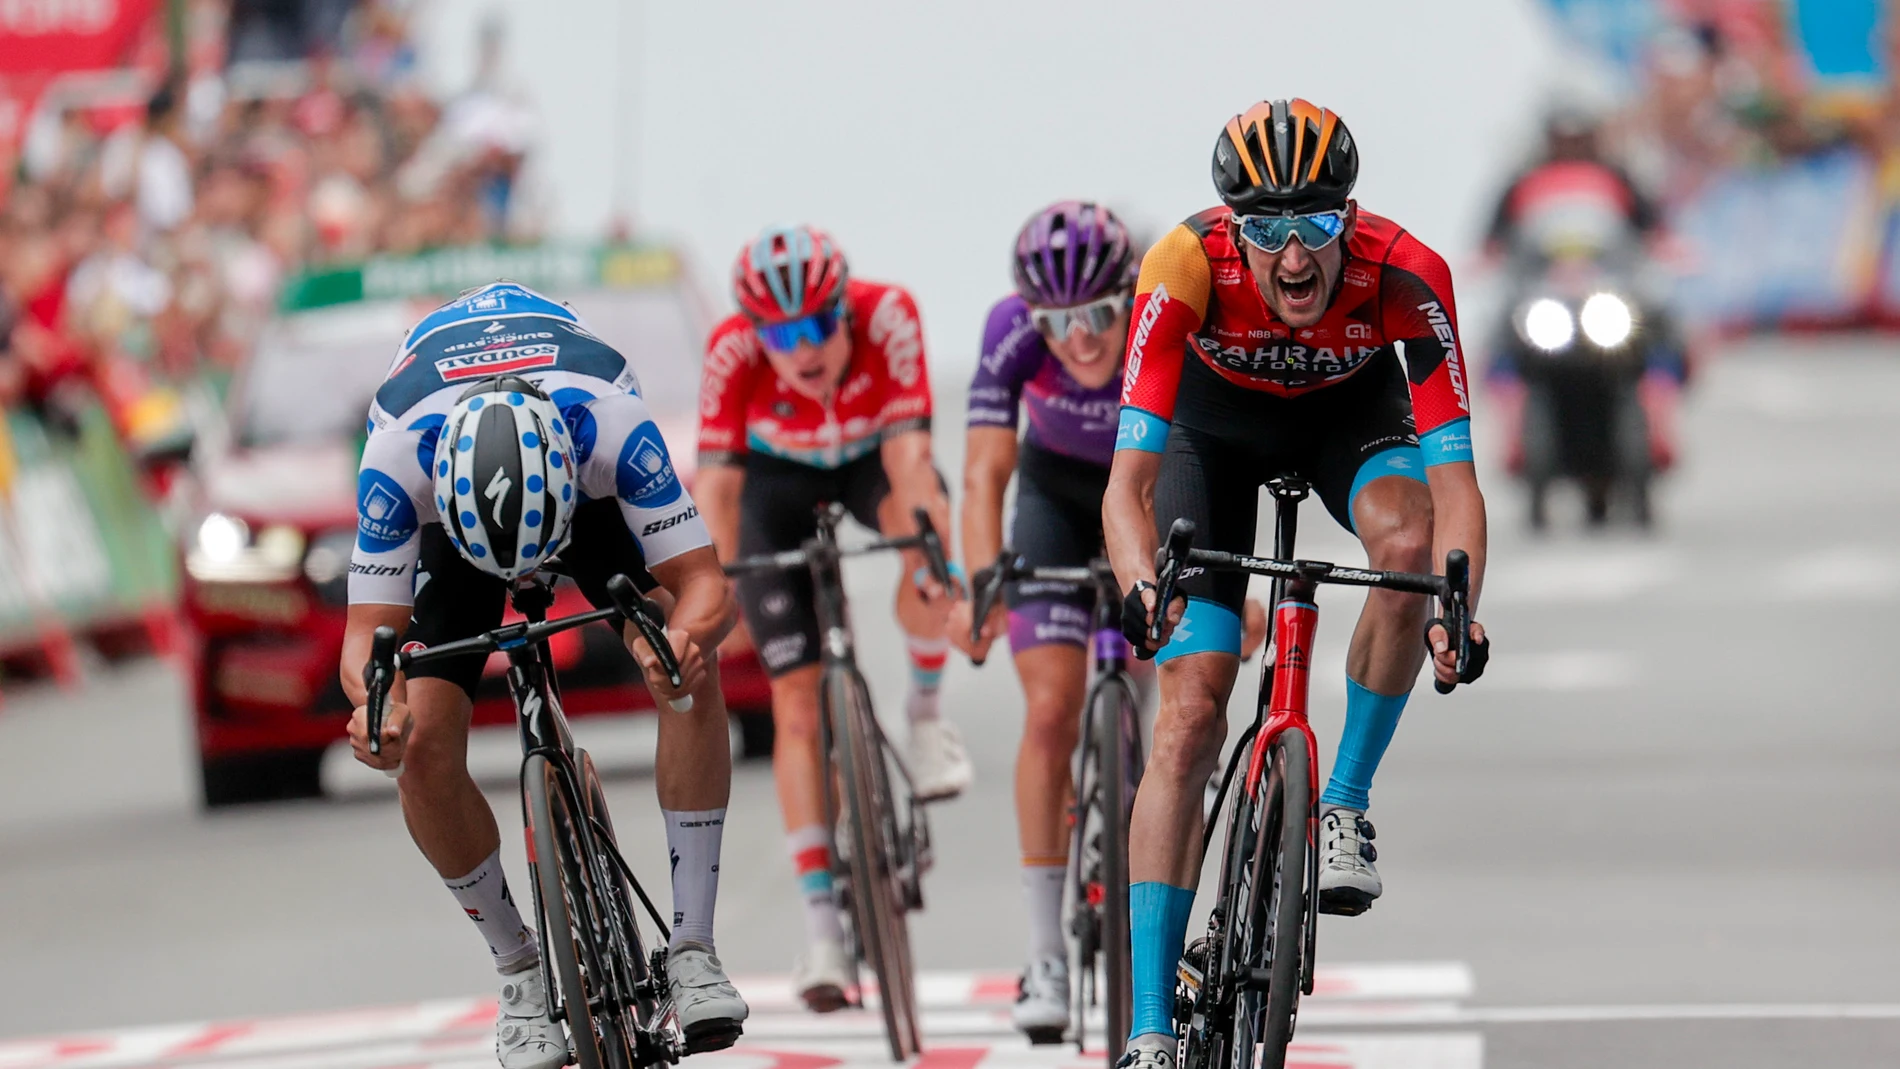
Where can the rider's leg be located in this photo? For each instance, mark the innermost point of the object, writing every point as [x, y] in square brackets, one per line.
[1164, 857]
[799, 773]
[451, 822]
[934, 755]
[1392, 515]
[693, 774]
[1054, 677]
[926, 641]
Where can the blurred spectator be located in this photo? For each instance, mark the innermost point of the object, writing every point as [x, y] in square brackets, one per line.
[155, 252]
[147, 162]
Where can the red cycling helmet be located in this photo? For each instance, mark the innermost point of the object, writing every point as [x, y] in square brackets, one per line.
[788, 272]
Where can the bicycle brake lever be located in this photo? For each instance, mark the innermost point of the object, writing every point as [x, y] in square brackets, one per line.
[934, 558]
[1168, 561]
[985, 595]
[378, 679]
[1458, 623]
[650, 620]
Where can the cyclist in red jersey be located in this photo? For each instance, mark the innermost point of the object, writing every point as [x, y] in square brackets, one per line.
[1285, 331]
[816, 392]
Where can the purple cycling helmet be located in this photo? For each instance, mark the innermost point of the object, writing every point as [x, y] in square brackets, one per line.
[1072, 252]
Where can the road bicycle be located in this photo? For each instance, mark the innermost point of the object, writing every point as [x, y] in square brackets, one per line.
[600, 979]
[1109, 761]
[877, 871]
[1239, 986]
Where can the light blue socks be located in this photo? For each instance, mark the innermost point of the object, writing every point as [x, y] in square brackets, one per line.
[1157, 926]
[1370, 721]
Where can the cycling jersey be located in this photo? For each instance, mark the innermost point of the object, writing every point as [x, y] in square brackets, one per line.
[744, 407]
[1016, 367]
[1196, 294]
[508, 329]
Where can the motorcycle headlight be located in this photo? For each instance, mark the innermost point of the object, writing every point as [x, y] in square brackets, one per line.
[1607, 320]
[222, 539]
[1547, 324]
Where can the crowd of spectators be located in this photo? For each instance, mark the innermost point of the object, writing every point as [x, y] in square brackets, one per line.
[154, 249]
[1726, 84]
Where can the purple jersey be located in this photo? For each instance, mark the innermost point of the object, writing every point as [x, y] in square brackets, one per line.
[1064, 416]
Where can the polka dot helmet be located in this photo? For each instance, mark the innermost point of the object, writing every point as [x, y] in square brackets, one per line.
[504, 477]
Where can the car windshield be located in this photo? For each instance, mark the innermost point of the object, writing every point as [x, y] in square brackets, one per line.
[313, 373]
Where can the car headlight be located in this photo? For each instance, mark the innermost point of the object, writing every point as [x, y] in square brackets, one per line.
[222, 539]
[1547, 324]
[329, 558]
[1607, 320]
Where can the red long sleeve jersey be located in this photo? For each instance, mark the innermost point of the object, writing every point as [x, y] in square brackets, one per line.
[745, 407]
[1196, 294]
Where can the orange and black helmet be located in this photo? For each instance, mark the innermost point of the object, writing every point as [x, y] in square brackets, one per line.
[1285, 156]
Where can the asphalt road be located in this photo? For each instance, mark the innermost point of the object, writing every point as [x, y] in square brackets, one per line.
[1662, 831]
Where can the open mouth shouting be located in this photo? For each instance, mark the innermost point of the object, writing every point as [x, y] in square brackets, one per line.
[1299, 290]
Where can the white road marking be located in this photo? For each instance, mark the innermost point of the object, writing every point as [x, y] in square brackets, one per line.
[1591, 575]
[1839, 573]
[966, 1012]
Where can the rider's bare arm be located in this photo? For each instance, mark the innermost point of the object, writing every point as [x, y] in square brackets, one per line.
[717, 488]
[1458, 522]
[989, 459]
[703, 602]
[362, 622]
[907, 463]
[1128, 516]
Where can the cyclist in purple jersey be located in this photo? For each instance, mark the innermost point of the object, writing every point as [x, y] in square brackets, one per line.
[1066, 414]
[1054, 347]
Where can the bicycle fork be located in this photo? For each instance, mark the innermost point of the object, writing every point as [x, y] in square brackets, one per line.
[1296, 619]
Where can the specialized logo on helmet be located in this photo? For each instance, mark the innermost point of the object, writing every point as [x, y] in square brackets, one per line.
[645, 475]
[497, 491]
[513, 360]
[385, 517]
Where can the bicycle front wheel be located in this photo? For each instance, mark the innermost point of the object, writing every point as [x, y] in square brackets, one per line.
[574, 916]
[1270, 931]
[1111, 768]
[877, 897]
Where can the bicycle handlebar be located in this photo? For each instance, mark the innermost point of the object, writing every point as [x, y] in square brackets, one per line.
[379, 674]
[1453, 589]
[926, 540]
[988, 583]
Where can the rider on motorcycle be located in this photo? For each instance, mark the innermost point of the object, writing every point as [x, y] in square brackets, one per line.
[1266, 338]
[816, 391]
[533, 391]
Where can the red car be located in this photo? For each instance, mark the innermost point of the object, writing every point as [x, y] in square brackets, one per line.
[266, 556]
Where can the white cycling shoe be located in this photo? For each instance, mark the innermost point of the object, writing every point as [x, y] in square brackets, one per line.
[822, 976]
[525, 1036]
[1151, 1051]
[1348, 883]
[710, 1009]
[1041, 1011]
[939, 765]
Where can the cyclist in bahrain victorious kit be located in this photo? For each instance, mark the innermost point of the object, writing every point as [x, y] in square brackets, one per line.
[1282, 332]
[1054, 348]
[815, 391]
[564, 458]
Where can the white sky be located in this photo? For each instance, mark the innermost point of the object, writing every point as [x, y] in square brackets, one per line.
[922, 134]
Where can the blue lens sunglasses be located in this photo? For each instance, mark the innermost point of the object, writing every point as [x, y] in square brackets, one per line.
[816, 328]
[1270, 233]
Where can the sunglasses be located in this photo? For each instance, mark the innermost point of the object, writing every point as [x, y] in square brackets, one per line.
[816, 328]
[1091, 318]
[1270, 233]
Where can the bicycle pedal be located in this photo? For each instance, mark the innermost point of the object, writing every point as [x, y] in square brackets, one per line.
[1044, 1037]
[1345, 903]
[709, 1036]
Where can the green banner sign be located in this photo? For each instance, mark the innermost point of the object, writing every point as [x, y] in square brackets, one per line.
[446, 272]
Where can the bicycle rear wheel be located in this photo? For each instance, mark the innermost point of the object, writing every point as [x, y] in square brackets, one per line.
[877, 903]
[574, 918]
[1111, 766]
[1269, 933]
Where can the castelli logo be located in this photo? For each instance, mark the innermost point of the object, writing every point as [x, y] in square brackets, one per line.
[37, 17]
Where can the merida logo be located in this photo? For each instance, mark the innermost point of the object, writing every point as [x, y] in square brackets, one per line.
[1448, 337]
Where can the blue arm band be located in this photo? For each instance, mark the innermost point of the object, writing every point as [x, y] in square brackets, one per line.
[1141, 430]
[1447, 444]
